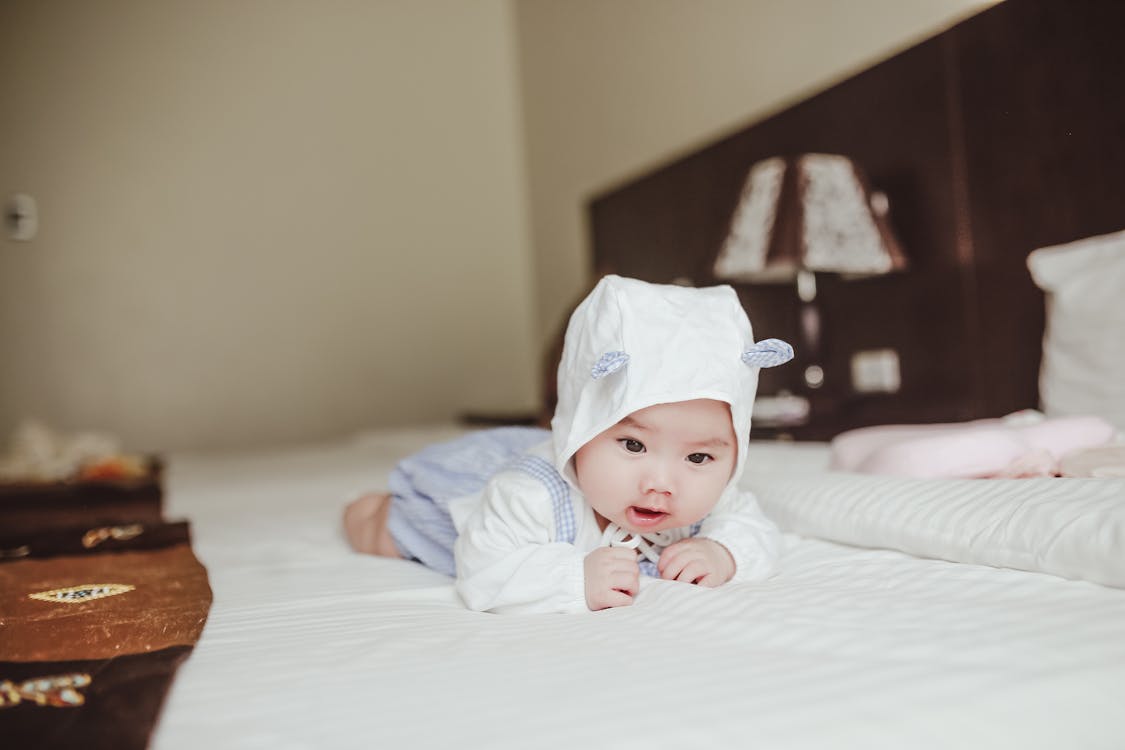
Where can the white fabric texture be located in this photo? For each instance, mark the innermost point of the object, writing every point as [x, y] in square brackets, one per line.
[309, 645]
[1074, 528]
[1083, 369]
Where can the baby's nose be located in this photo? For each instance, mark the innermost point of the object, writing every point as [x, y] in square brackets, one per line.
[657, 480]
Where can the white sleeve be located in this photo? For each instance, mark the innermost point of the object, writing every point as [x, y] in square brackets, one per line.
[506, 559]
[753, 540]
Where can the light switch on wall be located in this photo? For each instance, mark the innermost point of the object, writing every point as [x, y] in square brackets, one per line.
[21, 217]
[876, 371]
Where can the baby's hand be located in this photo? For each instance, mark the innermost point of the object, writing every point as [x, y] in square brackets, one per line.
[612, 577]
[696, 560]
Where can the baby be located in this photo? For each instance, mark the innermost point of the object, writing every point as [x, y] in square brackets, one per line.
[638, 474]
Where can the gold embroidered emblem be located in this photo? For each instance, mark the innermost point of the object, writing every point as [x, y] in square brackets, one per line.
[84, 593]
[59, 691]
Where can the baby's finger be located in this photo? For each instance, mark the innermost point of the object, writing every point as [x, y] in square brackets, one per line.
[622, 557]
[617, 599]
[709, 580]
[670, 554]
[627, 582]
[692, 572]
[607, 554]
[673, 569]
[627, 561]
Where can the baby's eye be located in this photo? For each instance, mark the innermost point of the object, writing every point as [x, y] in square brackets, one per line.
[631, 445]
[700, 458]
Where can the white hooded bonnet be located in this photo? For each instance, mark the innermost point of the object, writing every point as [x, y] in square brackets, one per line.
[631, 344]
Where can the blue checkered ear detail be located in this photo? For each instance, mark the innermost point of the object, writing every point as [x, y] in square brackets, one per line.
[768, 353]
[608, 363]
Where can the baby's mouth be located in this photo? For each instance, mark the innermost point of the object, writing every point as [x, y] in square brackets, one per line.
[641, 516]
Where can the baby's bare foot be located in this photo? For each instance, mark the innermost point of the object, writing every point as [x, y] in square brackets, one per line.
[365, 525]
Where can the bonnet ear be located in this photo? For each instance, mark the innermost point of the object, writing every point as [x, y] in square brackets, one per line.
[768, 353]
[608, 363]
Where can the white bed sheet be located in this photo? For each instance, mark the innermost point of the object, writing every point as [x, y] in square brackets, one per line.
[311, 646]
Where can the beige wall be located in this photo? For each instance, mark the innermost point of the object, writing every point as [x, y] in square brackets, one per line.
[612, 88]
[263, 220]
[275, 220]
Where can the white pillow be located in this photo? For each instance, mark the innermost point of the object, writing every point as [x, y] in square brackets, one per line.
[1073, 528]
[1083, 370]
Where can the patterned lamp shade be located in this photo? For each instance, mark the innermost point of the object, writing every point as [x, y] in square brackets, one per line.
[813, 212]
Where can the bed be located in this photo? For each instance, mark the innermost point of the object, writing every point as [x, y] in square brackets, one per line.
[906, 613]
[311, 645]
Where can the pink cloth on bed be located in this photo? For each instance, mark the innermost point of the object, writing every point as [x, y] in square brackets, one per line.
[984, 448]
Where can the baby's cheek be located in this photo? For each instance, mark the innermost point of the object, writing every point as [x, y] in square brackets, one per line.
[709, 495]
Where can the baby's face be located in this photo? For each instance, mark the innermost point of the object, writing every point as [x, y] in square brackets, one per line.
[660, 468]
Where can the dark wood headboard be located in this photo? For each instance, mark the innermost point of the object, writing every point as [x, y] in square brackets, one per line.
[1003, 134]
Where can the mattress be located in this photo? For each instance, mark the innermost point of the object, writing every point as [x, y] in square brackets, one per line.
[310, 645]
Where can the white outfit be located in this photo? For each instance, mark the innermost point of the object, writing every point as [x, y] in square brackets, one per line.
[629, 345]
[508, 561]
